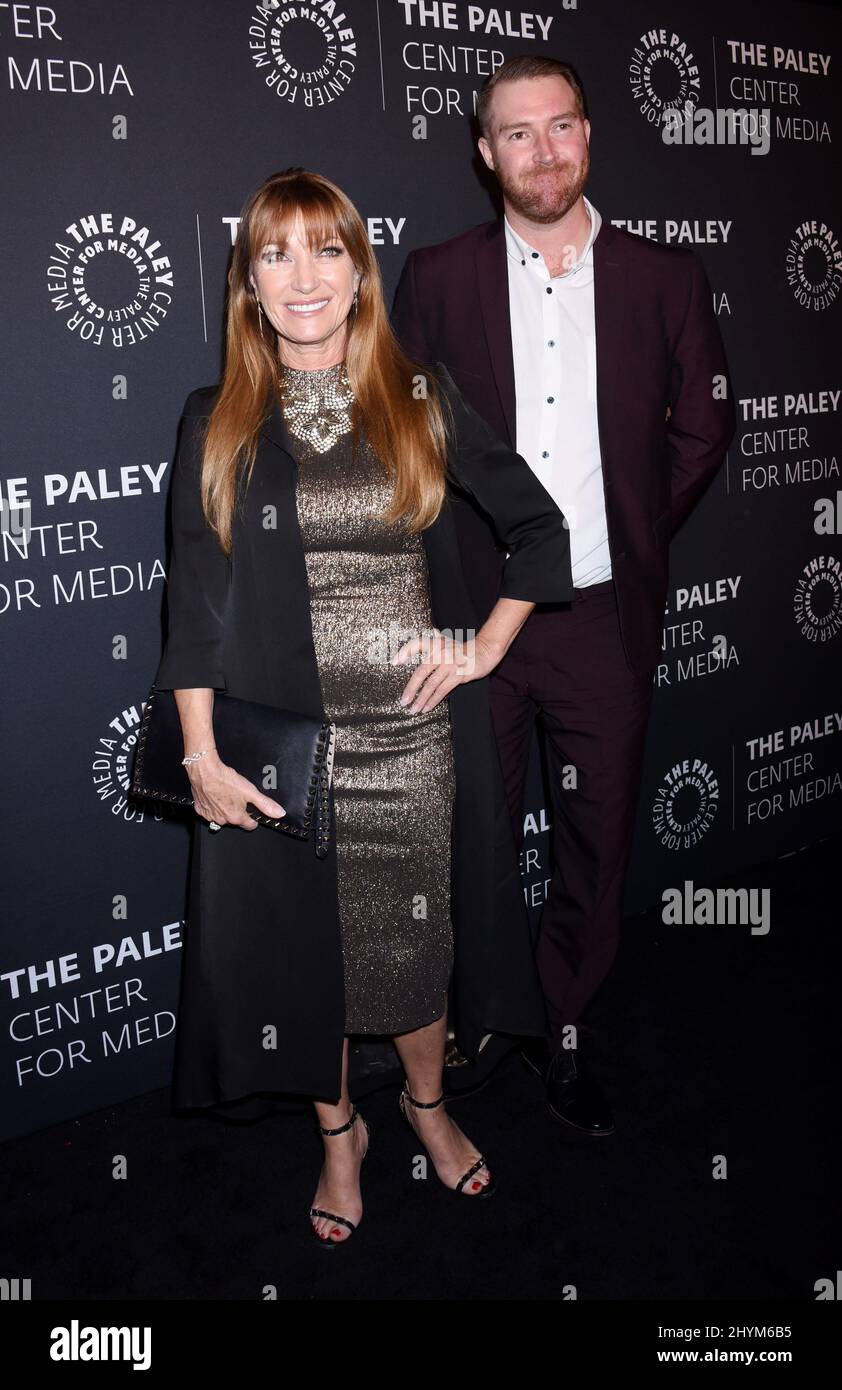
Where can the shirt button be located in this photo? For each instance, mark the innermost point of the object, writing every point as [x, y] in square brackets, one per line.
[549, 289]
[545, 455]
[534, 255]
[550, 399]
[551, 343]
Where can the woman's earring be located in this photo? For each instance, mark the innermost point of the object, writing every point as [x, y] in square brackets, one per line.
[354, 300]
[259, 315]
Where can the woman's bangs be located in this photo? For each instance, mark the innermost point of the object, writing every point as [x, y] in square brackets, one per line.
[275, 224]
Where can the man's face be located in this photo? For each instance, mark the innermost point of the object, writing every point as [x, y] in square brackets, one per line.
[538, 147]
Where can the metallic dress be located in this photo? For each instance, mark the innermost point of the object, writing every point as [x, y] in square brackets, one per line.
[393, 770]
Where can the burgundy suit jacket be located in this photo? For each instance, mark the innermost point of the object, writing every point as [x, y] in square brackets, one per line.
[658, 345]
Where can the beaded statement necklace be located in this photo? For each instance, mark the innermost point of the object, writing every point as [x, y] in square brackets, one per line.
[316, 404]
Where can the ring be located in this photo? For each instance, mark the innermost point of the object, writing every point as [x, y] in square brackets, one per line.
[212, 825]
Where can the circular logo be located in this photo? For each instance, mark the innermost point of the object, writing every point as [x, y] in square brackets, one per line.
[111, 765]
[110, 279]
[307, 54]
[685, 804]
[663, 75]
[814, 265]
[818, 599]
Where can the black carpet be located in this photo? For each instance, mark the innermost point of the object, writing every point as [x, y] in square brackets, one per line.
[709, 1040]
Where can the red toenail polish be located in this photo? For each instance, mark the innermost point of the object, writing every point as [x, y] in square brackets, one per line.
[334, 1232]
[476, 1186]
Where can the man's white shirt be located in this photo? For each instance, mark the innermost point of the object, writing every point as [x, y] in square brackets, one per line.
[554, 352]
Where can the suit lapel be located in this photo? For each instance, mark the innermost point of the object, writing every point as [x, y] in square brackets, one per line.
[610, 301]
[493, 278]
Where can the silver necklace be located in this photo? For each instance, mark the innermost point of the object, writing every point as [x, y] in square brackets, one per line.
[316, 403]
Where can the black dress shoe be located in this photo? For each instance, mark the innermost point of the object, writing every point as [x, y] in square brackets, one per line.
[571, 1095]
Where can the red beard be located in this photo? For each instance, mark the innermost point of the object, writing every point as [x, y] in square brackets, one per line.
[546, 195]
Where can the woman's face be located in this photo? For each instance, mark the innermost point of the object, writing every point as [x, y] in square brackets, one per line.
[306, 294]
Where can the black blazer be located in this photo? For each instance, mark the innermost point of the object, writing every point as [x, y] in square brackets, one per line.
[658, 345]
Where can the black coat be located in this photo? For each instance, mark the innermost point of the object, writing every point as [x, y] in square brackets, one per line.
[262, 1006]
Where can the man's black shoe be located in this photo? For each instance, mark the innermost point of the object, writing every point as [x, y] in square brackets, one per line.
[571, 1096]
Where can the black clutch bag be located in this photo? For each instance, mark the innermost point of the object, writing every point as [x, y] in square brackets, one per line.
[251, 738]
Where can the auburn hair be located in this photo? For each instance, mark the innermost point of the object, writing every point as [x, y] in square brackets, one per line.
[397, 402]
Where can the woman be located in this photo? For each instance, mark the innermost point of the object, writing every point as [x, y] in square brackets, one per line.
[314, 563]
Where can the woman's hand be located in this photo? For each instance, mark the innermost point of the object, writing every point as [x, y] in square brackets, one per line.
[220, 794]
[446, 664]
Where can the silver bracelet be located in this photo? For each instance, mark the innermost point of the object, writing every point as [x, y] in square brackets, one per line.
[194, 757]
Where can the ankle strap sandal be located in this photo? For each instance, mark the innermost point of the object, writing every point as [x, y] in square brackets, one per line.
[488, 1188]
[331, 1215]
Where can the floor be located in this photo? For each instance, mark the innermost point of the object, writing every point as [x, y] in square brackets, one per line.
[717, 1048]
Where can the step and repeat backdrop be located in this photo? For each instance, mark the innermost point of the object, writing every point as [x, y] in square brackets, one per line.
[133, 136]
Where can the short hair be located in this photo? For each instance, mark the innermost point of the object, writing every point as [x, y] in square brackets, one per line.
[526, 66]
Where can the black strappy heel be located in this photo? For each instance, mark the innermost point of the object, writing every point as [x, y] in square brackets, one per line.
[488, 1188]
[328, 1242]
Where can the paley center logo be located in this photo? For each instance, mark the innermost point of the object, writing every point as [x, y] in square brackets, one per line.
[110, 278]
[306, 53]
[814, 265]
[112, 763]
[664, 75]
[666, 86]
[818, 599]
[686, 803]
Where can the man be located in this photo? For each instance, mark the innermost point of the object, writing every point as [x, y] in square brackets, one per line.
[596, 354]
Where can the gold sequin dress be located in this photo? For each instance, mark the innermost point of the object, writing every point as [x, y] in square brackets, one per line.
[393, 770]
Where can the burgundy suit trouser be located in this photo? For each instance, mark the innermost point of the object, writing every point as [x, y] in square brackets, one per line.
[567, 664]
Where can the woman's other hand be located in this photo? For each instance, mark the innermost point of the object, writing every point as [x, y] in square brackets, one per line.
[220, 794]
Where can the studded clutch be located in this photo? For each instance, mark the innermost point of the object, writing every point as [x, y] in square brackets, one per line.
[293, 751]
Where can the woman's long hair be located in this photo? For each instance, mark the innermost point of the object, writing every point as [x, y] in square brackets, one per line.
[397, 402]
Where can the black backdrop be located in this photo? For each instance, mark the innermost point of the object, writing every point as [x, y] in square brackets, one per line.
[133, 136]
